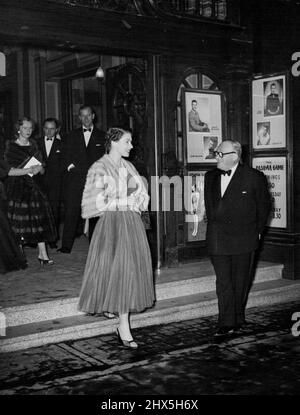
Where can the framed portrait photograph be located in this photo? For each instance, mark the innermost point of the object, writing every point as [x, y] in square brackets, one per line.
[275, 169]
[269, 112]
[202, 124]
[273, 97]
[194, 206]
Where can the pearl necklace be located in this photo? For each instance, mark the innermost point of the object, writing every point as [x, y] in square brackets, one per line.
[22, 143]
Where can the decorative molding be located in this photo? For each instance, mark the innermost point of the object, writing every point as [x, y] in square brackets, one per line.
[189, 9]
[121, 6]
[195, 9]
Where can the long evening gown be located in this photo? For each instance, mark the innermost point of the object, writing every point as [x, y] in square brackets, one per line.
[118, 276]
[11, 256]
[28, 209]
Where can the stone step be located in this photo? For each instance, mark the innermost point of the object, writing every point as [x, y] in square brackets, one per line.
[168, 310]
[171, 283]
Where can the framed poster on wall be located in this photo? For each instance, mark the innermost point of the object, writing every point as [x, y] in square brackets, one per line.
[275, 169]
[194, 206]
[202, 124]
[269, 118]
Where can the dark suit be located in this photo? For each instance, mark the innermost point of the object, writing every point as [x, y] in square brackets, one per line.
[195, 124]
[235, 222]
[272, 105]
[82, 157]
[51, 180]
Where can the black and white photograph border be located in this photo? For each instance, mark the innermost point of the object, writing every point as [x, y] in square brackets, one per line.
[137, 66]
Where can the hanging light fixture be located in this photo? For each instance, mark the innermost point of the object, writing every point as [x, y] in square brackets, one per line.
[100, 72]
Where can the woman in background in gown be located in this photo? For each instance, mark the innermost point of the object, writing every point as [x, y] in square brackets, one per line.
[118, 276]
[11, 255]
[28, 209]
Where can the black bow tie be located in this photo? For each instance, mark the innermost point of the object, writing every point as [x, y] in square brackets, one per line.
[49, 139]
[223, 172]
[87, 129]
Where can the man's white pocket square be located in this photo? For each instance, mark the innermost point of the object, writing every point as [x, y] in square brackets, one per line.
[244, 192]
[97, 145]
[57, 151]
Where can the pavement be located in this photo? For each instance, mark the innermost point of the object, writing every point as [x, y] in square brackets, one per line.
[36, 284]
[180, 358]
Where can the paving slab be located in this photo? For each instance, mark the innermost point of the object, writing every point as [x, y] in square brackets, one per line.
[176, 358]
[36, 284]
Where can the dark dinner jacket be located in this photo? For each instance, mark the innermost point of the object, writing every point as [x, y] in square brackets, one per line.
[51, 180]
[236, 220]
[81, 156]
[54, 162]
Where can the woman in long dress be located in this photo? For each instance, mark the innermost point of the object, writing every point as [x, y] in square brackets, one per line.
[118, 276]
[28, 209]
[11, 255]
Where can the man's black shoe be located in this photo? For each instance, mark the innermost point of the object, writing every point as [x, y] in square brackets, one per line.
[64, 250]
[224, 331]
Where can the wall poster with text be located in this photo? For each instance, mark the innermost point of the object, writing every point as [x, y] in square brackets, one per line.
[269, 112]
[202, 124]
[275, 168]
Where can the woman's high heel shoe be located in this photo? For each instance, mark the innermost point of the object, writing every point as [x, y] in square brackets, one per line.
[45, 262]
[127, 343]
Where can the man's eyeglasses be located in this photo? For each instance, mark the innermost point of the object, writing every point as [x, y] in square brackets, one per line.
[221, 154]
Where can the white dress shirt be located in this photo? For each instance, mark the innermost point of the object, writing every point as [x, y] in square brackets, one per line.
[225, 179]
[87, 136]
[48, 145]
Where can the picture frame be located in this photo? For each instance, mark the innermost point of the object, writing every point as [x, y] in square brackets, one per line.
[195, 218]
[276, 170]
[202, 124]
[269, 112]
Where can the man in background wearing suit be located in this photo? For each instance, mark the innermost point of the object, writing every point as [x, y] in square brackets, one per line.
[273, 102]
[50, 146]
[237, 204]
[83, 147]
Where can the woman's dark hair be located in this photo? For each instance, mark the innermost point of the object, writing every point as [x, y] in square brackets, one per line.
[113, 134]
[19, 122]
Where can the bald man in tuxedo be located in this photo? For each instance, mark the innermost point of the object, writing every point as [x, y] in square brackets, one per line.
[237, 204]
